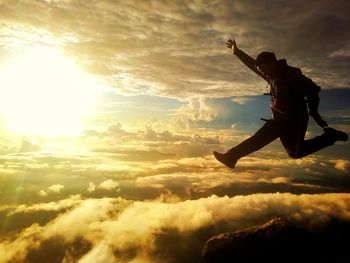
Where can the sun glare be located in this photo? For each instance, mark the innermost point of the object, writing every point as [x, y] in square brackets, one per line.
[44, 93]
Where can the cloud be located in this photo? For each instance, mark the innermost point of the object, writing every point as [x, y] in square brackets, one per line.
[99, 254]
[108, 185]
[50, 206]
[241, 100]
[91, 187]
[131, 230]
[28, 146]
[343, 52]
[148, 142]
[19, 189]
[149, 162]
[42, 193]
[174, 50]
[16, 250]
[181, 46]
[275, 180]
[56, 188]
[341, 165]
[198, 109]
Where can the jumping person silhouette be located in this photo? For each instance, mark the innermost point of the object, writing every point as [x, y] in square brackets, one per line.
[288, 89]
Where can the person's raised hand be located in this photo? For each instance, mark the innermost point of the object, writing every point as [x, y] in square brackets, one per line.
[231, 43]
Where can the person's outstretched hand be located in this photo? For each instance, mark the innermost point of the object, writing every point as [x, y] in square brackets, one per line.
[318, 119]
[231, 43]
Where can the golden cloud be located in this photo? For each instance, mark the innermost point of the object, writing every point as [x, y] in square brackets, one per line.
[114, 226]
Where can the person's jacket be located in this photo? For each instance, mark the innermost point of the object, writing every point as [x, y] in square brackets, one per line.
[288, 89]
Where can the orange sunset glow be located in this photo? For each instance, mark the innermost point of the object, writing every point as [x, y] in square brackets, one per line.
[110, 112]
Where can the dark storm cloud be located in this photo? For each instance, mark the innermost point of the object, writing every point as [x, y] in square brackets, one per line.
[177, 48]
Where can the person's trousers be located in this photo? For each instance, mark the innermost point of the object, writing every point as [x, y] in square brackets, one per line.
[291, 134]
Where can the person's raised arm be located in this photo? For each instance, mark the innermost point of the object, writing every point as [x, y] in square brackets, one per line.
[244, 57]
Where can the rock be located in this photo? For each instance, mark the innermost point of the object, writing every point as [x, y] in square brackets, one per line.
[278, 240]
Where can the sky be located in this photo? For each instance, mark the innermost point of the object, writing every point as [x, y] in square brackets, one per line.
[110, 111]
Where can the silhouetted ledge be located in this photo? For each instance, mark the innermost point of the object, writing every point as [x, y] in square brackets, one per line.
[279, 241]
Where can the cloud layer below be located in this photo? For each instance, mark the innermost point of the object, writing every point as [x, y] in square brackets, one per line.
[119, 230]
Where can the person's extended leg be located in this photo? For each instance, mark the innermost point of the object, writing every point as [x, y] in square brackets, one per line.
[266, 134]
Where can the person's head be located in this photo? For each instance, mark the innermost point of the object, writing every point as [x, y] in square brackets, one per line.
[266, 63]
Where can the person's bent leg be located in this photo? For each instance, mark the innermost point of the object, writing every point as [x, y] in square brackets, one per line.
[328, 138]
[293, 133]
[269, 132]
[292, 138]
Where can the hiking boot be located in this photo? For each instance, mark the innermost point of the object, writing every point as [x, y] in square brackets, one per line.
[336, 135]
[225, 159]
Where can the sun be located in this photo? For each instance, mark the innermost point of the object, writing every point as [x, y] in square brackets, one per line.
[44, 93]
